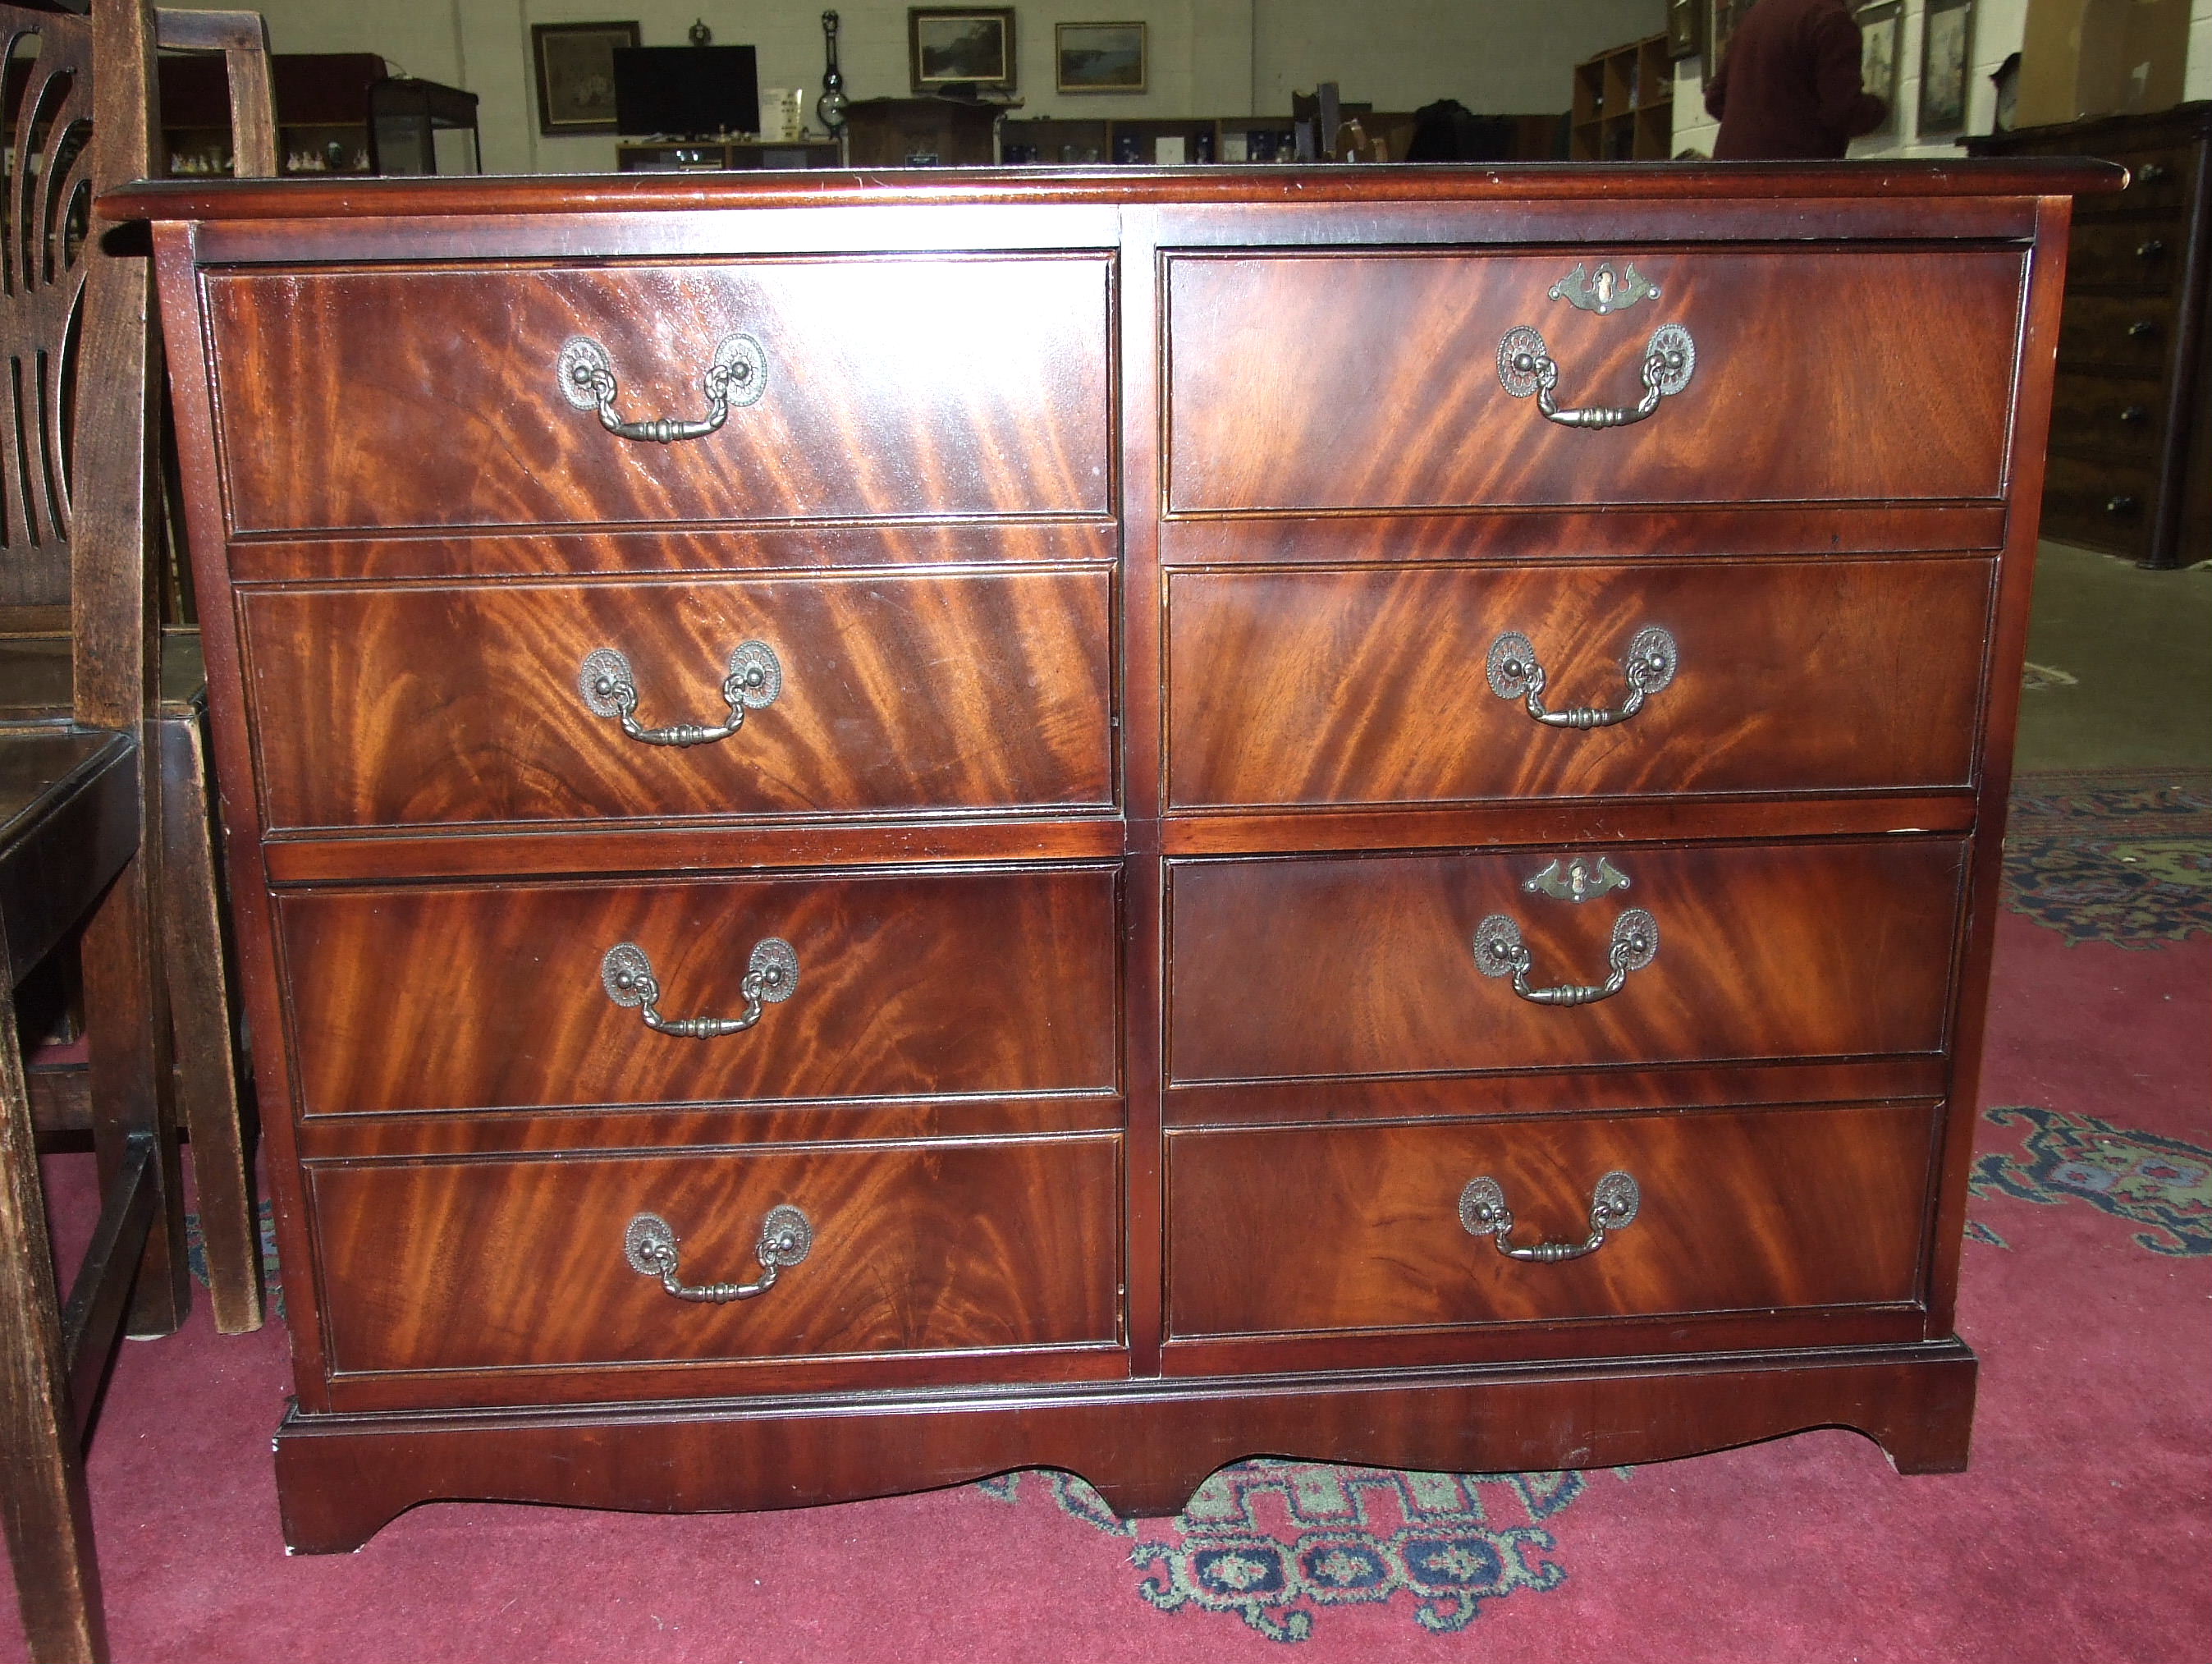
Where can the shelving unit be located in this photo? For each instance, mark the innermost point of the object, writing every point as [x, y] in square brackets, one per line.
[336, 112]
[1054, 141]
[715, 155]
[1624, 104]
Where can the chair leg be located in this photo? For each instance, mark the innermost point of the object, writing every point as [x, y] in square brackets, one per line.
[208, 1100]
[42, 1489]
[131, 1092]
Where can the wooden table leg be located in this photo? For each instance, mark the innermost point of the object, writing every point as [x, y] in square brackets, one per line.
[208, 1100]
[132, 1095]
[42, 1489]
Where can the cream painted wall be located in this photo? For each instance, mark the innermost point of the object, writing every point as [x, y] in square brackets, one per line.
[1206, 57]
[1490, 55]
[1999, 25]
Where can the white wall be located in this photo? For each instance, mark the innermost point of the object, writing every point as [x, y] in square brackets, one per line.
[2000, 27]
[1206, 57]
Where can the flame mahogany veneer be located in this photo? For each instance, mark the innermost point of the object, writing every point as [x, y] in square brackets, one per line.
[1143, 800]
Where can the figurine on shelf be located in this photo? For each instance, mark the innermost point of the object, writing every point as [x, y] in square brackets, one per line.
[833, 103]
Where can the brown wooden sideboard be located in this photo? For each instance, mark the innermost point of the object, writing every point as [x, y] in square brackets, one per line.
[891, 827]
[2130, 469]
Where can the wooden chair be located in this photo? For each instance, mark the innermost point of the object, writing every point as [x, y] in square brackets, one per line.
[37, 661]
[79, 845]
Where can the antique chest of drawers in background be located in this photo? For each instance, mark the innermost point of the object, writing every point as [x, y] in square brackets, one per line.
[2130, 467]
[885, 830]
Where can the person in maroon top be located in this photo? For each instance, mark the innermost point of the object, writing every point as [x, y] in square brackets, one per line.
[1789, 88]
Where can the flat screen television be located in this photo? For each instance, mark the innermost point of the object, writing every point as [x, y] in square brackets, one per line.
[686, 92]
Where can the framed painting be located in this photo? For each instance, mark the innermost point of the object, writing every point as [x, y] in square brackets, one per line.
[1099, 58]
[1882, 39]
[1721, 18]
[576, 64]
[1685, 28]
[960, 46]
[1947, 60]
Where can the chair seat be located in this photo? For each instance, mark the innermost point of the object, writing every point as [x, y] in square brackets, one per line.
[69, 823]
[37, 682]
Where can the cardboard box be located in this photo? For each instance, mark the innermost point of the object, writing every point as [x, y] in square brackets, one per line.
[2101, 58]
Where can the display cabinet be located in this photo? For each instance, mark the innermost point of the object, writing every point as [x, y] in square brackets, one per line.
[336, 112]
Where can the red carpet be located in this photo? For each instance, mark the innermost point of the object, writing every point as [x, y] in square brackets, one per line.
[2083, 1532]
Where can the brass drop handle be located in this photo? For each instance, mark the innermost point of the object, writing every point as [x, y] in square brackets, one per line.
[754, 678]
[1613, 1206]
[2153, 173]
[1500, 952]
[1515, 673]
[2121, 506]
[2151, 248]
[786, 1236]
[1525, 365]
[2135, 415]
[2141, 328]
[771, 977]
[736, 376]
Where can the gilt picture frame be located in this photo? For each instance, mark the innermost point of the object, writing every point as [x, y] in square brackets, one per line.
[1099, 57]
[1685, 28]
[1947, 66]
[575, 70]
[961, 46]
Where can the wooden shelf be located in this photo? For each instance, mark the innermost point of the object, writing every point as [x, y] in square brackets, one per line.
[716, 155]
[1624, 104]
[1062, 141]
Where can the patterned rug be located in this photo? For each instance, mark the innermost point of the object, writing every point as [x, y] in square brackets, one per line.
[196, 1256]
[1279, 1543]
[2118, 857]
[2162, 1184]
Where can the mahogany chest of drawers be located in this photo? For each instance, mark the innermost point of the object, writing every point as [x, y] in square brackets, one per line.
[2130, 468]
[886, 829]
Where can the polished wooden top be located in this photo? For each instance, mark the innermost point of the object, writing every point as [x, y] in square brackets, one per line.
[347, 197]
[40, 766]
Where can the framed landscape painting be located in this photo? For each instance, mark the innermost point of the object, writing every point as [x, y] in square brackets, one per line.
[576, 64]
[1099, 58]
[960, 46]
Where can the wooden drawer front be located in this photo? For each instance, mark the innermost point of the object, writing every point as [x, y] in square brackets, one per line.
[2120, 417]
[411, 706]
[1796, 676]
[1367, 966]
[433, 398]
[1278, 1231]
[2106, 505]
[1371, 382]
[2120, 332]
[488, 1264]
[2160, 179]
[2138, 253]
[910, 984]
